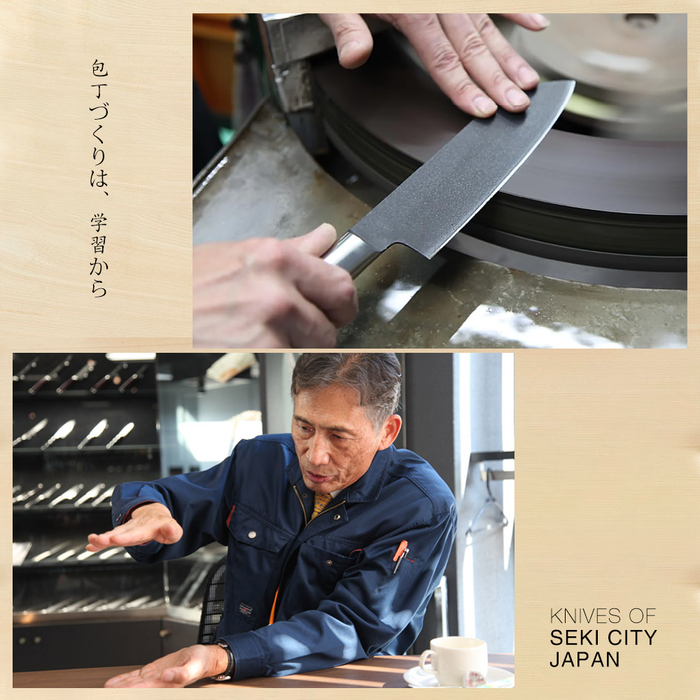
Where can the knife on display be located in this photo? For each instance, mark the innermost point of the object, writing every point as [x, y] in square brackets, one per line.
[27, 494]
[92, 493]
[31, 432]
[81, 374]
[48, 552]
[51, 376]
[427, 210]
[108, 377]
[107, 494]
[136, 375]
[23, 372]
[43, 496]
[122, 433]
[95, 432]
[60, 434]
[68, 495]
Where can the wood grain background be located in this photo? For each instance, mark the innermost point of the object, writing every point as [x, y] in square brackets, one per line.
[608, 442]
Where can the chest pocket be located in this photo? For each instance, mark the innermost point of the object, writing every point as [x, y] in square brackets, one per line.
[319, 570]
[249, 529]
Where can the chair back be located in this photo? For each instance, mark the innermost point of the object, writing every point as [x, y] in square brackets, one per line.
[213, 603]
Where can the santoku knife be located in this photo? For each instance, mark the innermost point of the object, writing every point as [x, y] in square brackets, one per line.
[436, 201]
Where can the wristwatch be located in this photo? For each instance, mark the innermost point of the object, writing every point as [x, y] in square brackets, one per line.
[228, 673]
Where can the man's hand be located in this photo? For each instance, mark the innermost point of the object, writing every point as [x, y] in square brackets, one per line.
[466, 55]
[175, 670]
[150, 522]
[269, 293]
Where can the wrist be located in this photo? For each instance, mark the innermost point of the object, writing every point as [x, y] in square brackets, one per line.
[222, 664]
[149, 507]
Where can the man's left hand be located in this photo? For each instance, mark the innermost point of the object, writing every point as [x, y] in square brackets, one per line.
[175, 670]
[466, 55]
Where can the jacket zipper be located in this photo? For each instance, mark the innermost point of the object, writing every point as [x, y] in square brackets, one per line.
[301, 503]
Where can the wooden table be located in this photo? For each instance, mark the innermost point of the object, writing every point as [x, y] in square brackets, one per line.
[377, 672]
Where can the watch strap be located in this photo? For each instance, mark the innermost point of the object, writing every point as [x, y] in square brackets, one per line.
[228, 673]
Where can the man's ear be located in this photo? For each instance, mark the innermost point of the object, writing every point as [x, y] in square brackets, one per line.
[390, 431]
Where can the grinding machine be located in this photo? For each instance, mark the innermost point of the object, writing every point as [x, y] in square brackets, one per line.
[585, 246]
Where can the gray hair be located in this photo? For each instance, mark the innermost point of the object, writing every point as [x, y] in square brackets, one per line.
[376, 376]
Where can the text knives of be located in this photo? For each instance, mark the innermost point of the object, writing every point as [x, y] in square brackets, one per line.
[427, 210]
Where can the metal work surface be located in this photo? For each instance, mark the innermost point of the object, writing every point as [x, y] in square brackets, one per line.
[265, 184]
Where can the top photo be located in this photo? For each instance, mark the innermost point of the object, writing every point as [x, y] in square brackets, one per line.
[439, 181]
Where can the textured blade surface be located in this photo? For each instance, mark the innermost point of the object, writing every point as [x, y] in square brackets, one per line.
[436, 201]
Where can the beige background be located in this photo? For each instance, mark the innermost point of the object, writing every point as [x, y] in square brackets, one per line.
[608, 442]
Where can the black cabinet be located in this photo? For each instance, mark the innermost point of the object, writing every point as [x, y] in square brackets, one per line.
[91, 422]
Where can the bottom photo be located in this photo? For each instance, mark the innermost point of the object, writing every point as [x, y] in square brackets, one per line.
[269, 520]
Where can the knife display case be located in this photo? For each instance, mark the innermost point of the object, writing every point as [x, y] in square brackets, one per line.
[112, 421]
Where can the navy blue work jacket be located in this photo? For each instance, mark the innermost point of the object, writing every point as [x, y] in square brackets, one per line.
[339, 598]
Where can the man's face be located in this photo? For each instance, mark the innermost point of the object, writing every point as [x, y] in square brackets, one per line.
[335, 440]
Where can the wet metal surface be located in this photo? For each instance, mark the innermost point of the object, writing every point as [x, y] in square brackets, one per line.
[269, 186]
[457, 302]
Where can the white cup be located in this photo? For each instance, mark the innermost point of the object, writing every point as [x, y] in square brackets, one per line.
[452, 659]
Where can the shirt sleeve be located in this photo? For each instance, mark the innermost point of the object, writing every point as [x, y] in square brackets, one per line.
[368, 609]
[196, 500]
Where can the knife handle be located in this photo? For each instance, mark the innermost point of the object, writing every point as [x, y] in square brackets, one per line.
[351, 253]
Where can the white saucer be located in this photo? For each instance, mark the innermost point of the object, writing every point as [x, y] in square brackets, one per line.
[416, 677]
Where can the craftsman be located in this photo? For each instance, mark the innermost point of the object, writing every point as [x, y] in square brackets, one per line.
[336, 539]
[267, 293]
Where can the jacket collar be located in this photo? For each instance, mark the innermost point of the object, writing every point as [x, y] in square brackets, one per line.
[365, 489]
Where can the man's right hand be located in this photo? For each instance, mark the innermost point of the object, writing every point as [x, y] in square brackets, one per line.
[152, 521]
[270, 293]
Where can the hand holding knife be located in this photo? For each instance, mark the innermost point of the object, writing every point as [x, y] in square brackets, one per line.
[51, 376]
